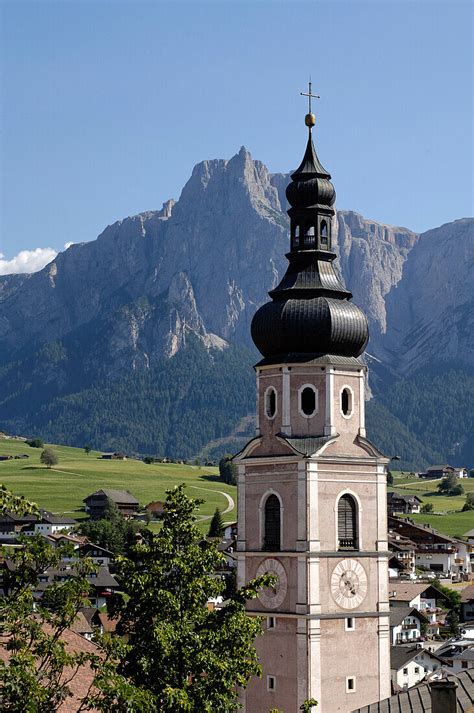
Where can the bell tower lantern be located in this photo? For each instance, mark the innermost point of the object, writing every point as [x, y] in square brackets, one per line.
[311, 486]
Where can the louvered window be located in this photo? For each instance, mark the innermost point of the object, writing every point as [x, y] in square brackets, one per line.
[272, 524]
[347, 523]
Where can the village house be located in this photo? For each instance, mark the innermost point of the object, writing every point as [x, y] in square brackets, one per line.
[458, 658]
[458, 652]
[11, 525]
[467, 603]
[434, 551]
[96, 503]
[404, 550]
[103, 583]
[113, 456]
[406, 625]
[155, 509]
[442, 471]
[417, 595]
[410, 665]
[406, 504]
[396, 568]
[49, 524]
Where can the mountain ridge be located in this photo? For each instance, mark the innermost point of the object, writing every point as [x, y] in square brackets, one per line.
[197, 269]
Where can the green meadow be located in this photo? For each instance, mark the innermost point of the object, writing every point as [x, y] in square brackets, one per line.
[62, 488]
[447, 516]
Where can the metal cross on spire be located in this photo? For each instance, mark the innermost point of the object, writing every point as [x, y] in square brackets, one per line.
[310, 96]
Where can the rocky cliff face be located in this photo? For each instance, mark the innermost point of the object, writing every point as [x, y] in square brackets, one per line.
[430, 311]
[201, 266]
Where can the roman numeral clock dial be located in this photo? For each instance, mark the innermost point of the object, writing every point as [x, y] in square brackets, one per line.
[349, 584]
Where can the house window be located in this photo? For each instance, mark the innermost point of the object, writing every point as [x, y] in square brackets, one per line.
[347, 523]
[272, 525]
[350, 623]
[346, 402]
[417, 669]
[464, 664]
[405, 672]
[270, 622]
[270, 402]
[350, 684]
[271, 683]
[308, 400]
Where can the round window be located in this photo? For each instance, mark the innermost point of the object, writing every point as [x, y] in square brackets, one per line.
[270, 403]
[308, 401]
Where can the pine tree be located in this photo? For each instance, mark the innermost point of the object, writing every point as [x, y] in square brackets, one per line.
[216, 528]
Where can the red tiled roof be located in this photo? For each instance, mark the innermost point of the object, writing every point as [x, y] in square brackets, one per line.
[80, 684]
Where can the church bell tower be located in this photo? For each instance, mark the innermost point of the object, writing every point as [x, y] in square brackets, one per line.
[311, 487]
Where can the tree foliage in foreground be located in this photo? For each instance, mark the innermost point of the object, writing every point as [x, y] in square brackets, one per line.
[190, 657]
[37, 672]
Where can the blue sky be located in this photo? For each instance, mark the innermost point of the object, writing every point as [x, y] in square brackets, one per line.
[107, 106]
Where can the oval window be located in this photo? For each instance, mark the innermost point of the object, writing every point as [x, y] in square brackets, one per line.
[270, 403]
[308, 401]
[346, 402]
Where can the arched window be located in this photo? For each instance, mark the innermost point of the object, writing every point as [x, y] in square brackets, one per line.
[346, 402]
[270, 402]
[347, 523]
[272, 524]
[324, 234]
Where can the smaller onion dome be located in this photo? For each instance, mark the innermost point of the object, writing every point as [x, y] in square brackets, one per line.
[310, 184]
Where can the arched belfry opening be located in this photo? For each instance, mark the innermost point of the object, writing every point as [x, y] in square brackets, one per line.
[324, 234]
[272, 524]
[347, 523]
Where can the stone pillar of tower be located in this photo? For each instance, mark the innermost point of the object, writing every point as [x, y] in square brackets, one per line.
[311, 487]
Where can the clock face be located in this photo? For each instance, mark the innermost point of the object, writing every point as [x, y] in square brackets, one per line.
[349, 584]
[272, 597]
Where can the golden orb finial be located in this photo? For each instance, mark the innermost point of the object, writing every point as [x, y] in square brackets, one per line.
[310, 120]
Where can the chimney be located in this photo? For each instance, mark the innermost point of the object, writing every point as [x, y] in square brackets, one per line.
[443, 696]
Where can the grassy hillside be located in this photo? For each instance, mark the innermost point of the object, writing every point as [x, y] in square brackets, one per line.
[62, 488]
[447, 516]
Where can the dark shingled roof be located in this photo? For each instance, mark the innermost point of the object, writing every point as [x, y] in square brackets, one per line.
[117, 496]
[398, 614]
[418, 698]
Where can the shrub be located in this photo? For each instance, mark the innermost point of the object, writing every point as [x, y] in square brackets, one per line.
[35, 443]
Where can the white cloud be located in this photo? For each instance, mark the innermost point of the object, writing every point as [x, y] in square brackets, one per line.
[27, 261]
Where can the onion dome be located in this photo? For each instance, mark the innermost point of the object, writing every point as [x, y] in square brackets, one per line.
[310, 185]
[310, 313]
